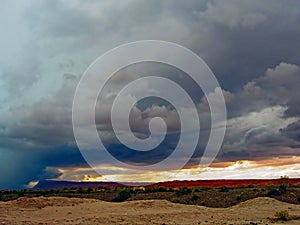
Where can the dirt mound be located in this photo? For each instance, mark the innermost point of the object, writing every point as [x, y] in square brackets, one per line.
[261, 201]
[150, 204]
[41, 202]
[60, 210]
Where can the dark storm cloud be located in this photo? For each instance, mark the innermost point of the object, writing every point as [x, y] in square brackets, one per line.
[293, 133]
[18, 168]
[46, 121]
[251, 46]
[248, 37]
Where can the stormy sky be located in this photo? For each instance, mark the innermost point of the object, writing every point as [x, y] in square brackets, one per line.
[252, 47]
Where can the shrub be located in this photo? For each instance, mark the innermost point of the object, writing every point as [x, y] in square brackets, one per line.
[161, 189]
[194, 196]
[238, 197]
[277, 191]
[174, 200]
[80, 190]
[282, 188]
[149, 190]
[273, 192]
[205, 188]
[196, 190]
[184, 191]
[122, 196]
[170, 190]
[282, 215]
[223, 189]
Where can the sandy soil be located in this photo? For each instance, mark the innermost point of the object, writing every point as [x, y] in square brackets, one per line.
[58, 210]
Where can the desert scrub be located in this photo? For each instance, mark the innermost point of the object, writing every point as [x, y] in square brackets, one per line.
[183, 191]
[238, 197]
[224, 189]
[122, 196]
[194, 196]
[174, 200]
[282, 215]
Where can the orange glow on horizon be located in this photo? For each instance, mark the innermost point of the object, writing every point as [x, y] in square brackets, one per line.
[241, 169]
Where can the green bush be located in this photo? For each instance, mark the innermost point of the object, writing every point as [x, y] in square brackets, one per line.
[238, 197]
[277, 191]
[205, 188]
[224, 189]
[282, 188]
[122, 196]
[196, 190]
[170, 190]
[149, 190]
[195, 197]
[175, 200]
[89, 190]
[161, 189]
[184, 191]
[80, 190]
[282, 215]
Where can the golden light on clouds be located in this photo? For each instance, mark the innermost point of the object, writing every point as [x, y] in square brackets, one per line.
[269, 168]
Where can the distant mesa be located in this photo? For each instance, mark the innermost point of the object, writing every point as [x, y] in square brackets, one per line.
[59, 184]
[226, 182]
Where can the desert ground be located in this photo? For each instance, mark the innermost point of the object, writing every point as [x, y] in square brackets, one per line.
[61, 210]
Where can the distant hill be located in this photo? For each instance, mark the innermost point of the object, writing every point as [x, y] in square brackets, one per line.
[57, 184]
[227, 183]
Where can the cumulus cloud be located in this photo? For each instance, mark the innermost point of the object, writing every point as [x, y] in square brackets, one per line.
[236, 14]
[258, 128]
